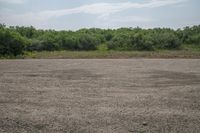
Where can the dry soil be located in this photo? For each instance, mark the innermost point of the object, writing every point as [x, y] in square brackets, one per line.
[100, 96]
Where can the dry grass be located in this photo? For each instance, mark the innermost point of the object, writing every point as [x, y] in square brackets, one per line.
[111, 54]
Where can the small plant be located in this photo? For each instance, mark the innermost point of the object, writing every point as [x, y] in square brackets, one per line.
[102, 47]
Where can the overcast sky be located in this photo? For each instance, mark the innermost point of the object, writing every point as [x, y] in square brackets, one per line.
[76, 14]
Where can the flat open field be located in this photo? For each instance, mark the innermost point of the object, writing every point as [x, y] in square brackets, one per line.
[100, 96]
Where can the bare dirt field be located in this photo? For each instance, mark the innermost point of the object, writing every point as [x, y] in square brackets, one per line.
[100, 96]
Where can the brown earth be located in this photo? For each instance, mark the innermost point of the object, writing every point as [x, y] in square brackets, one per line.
[100, 96]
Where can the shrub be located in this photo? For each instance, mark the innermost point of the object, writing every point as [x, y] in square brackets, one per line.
[87, 42]
[120, 42]
[166, 41]
[11, 43]
[143, 42]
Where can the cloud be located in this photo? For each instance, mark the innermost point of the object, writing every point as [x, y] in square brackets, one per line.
[108, 8]
[26, 19]
[103, 12]
[13, 1]
[123, 21]
[129, 19]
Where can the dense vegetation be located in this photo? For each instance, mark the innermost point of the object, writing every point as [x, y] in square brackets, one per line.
[15, 40]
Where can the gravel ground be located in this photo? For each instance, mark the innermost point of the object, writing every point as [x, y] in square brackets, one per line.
[100, 96]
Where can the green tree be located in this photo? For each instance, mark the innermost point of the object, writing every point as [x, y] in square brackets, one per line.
[11, 43]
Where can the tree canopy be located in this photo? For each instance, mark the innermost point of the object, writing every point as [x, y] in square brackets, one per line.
[14, 40]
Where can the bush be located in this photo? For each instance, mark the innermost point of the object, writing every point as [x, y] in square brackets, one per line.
[102, 47]
[120, 42]
[36, 45]
[87, 42]
[166, 41]
[14, 39]
[11, 43]
[195, 39]
[68, 43]
[142, 42]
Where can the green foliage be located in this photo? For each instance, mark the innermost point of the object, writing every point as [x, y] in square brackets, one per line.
[11, 43]
[15, 40]
[120, 42]
[36, 45]
[195, 39]
[87, 42]
[190, 35]
[68, 43]
[102, 47]
[141, 42]
[166, 40]
[46, 42]
[28, 32]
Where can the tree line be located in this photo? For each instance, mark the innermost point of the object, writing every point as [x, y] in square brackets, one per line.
[14, 40]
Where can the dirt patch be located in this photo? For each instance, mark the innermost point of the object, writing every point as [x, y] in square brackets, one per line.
[101, 96]
[70, 74]
[171, 78]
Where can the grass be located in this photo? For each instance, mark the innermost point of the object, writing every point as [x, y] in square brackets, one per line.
[112, 54]
[191, 47]
[186, 51]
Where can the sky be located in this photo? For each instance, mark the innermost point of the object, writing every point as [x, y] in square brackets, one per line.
[77, 14]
